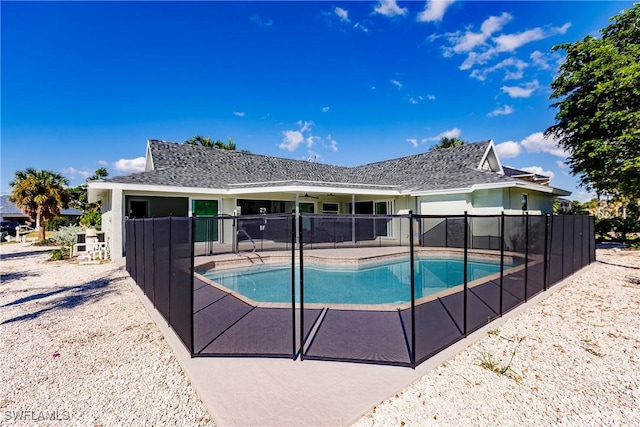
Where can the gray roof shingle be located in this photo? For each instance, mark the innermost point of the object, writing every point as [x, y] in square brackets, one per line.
[185, 165]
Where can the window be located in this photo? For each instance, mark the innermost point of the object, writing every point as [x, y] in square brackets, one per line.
[524, 201]
[330, 208]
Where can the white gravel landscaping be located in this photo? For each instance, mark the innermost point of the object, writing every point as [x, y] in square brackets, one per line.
[78, 348]
[576, 362]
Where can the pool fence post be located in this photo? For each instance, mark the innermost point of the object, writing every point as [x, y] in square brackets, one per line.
[301, 275]
[502, 263]
[546, 252]
[170, 271]
[526, 257]
[293, 281]
[413, 291]
[466, 244]
[191, 296]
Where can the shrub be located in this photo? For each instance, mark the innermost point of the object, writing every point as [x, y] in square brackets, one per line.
[67, 236]
[92, 218]
[59, 253]
[55, 223]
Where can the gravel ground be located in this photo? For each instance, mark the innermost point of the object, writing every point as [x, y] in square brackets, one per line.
[575, 362]
[77, 345]
[78, 348]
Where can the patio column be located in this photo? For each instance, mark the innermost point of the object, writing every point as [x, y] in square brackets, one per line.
[353, 220]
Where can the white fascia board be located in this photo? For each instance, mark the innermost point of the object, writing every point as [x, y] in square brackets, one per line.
[312, 189]
[153, 188]
[518, 184]
[105, 185]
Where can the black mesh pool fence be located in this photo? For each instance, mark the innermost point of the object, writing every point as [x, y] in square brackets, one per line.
[355, 288]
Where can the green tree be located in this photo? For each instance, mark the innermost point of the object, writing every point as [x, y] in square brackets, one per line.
[208, 142]
[447, 142]
[40, 194]
[91, 212]
[597, 95]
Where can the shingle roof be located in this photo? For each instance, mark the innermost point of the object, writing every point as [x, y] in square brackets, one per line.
[185, 165]
[8, 208]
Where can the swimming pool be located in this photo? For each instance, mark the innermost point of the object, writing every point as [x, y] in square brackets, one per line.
[385, 283]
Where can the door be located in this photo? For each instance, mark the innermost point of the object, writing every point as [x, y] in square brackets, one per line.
[206, 226]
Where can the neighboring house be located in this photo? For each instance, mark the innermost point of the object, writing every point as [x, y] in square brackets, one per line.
[185, 180]
[10, 212]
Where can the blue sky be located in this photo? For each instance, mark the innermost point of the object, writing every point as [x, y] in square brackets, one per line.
[85, 84]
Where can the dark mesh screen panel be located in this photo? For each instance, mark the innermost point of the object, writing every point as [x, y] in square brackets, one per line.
[515, 236]
[180, 308]
[567, 246]
[139, 233]
[535, 262]
[433, 232]
[556, 249]
[148, 258]
[455, 232]
[127, 245]
[592, 239]
[162, 261]
[484, 233]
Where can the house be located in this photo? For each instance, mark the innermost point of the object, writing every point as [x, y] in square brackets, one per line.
[186, 180]
[10, 212]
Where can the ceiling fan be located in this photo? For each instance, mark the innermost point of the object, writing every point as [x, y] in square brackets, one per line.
[307, 196]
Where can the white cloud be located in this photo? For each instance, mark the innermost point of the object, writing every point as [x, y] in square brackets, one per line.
[561, 165]
[508, 149]
[514, 68]
[504, 111]
[413, 141]
[510, 42]
[333, 145]
[537, 143]
[239, 113]
[396, 83]
[325, 109]
[431, 97]
[539, 171]
[342, 14]
[389, 8]
[416, 100]
[260, 22]
[470, 40]
[451, 133]
[585, 196]
[434, 10]
[75, 172]
[130, 165]
[103, 162]
[523, 91]
[304, 125]
[292, 140]
[359, 26]
[482, 47]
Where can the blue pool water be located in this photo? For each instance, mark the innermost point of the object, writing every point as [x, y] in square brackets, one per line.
[380, 284]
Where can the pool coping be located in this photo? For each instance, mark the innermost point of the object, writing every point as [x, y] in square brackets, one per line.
[361, 261]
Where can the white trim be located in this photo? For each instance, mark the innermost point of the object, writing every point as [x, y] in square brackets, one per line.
[509, 184]
[491, 149]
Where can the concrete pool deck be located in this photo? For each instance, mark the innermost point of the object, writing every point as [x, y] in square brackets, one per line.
[280, 392]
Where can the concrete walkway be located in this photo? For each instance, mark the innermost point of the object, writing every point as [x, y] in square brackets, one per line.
[282, 392]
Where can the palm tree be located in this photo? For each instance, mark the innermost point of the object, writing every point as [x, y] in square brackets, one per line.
[208, 142]
[40, 194]
[447, 142]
